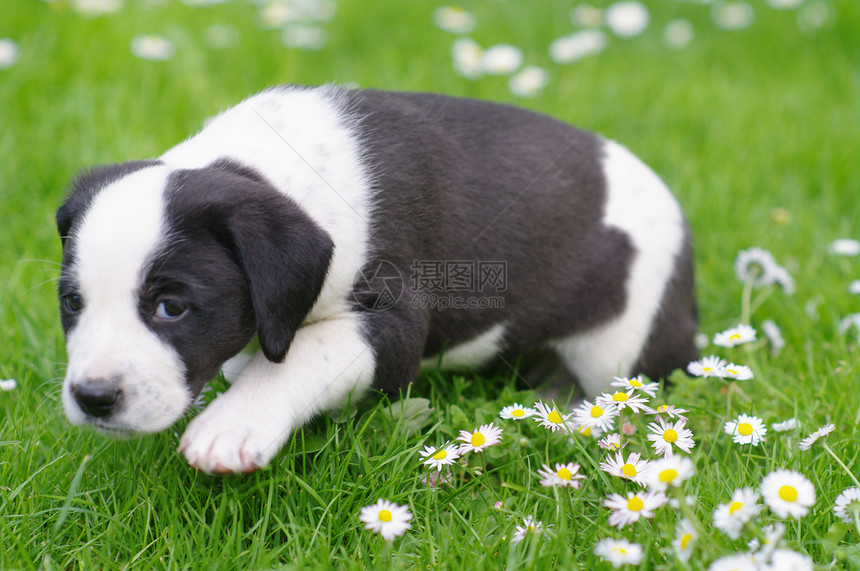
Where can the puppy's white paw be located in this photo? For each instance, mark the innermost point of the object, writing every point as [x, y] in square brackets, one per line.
[224, 439]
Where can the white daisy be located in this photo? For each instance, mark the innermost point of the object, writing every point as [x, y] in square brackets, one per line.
[847, 505]
[639, 383]
[774, 336]
[844, 247]
[152, 47]
[549, 417]
[529, 82]
[785, 425]
[746, 429]
[436, 479]
[665, 435]
[735, 336]
[627, 19]
[733, 15]
[96, 7]
[386, 518]
[468, 58]
[434, 457]
[740, 562]
[8, 385]
[711, 366]
[669, 410]
[8, 53]
[787, 493]
[586, 16]
[576, 46]
[502, 59]
[594, 416]
[685, 538]
[849, 321]
[854, 287]
[485, 436]
[772, 536]
[618, 552]
[678, 34]
[730, 518]
[633, 507]
[737, 372]
[756, 266]
[671, 471]
[622, 399]
[784, 279]
[784, 4]
[633, 469]
[788, 560]
[564, 475]
[516, 411]
[304, 36]
[454, 19]
[807, 442]
[530, 526]
[611, 442]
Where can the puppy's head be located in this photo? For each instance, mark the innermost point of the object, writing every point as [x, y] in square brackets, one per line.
[167, 274]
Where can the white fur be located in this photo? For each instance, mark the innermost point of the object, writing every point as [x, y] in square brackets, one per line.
[472, 353]
[121, 230]
[639, 204]
[244, 428]
[297, 139]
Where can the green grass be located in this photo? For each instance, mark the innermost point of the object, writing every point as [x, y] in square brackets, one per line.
[739, 123]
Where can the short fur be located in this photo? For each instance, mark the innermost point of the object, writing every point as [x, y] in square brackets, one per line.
[277, 220]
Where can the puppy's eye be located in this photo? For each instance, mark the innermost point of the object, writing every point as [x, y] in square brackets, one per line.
[72, 302]
[170, 310]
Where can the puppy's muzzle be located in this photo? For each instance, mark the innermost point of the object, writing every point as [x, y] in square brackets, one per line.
[98, 398]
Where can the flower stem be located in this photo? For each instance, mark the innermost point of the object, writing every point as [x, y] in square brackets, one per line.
[746, 311]
[842, 464]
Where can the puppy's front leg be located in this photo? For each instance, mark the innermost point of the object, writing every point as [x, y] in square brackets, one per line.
[244, 428]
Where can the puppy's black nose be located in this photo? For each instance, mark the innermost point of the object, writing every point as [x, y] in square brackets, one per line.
[96, 397]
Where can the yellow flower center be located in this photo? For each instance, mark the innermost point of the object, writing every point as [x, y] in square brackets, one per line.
[670, 435]
[685, 540]
[586, 430]
[384, 515]
[620, 550]
[668, 475]
[440, 455]
[596, 411]
[663, 408]
[564, 474]
[518, 413]
[634, 504]
[708, 369]
[635, 383]
[788, 493]
[620, 397]
[735, 337]
[478, 439]
[735, 506]
[629, 470]
[554, 417]
[732, 372]
[745, 429]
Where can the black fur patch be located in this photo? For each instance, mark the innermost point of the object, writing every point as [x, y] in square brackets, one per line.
[243, 257]
[78, 200]
[471, 181]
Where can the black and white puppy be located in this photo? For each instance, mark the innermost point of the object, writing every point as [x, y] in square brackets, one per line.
[319, 220]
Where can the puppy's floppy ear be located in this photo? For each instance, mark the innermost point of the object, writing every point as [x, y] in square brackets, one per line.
[283, 253]
[285, 256]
